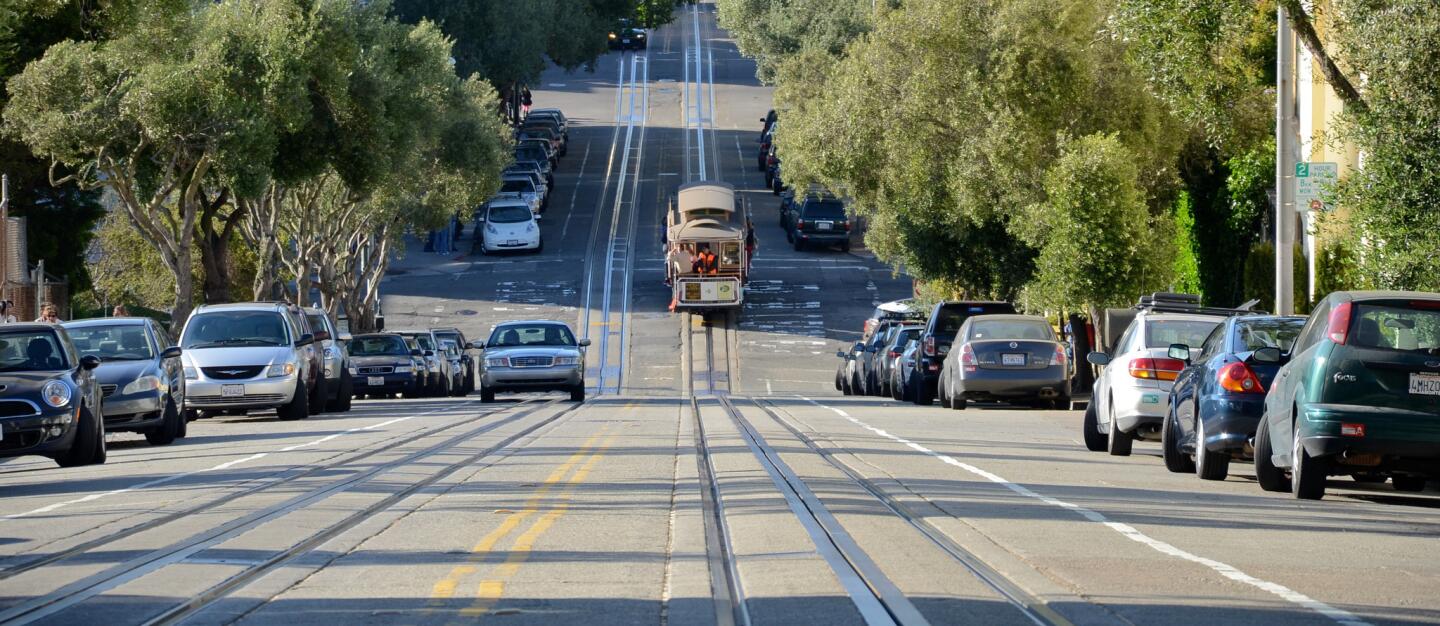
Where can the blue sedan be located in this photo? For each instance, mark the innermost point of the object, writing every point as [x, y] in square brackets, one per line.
[1218, 399]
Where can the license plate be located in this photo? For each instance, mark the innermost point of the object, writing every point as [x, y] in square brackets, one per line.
[232, 391]
[375, 381]
[1012, 359]
[512, 242]
[1425, 384]
[824, 226]
[626, 40]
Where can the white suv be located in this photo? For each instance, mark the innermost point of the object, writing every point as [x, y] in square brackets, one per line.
[1132, 392]
[251, 356]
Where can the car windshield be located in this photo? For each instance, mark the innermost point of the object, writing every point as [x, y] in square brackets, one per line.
[1397, 327]
[119, 342]
[424, 341]
[824, 210]
[530, 335]
[1257, 334]
[509, 214]
[1163, 333]
[317, 322]
[907, 335]
[951, 316]
[522, 185]
[379, 346]
[33, 350]
[1012, 329]
[234, 328]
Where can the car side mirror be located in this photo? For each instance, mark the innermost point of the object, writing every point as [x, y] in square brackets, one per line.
[345, 337]
[306, 339]
[1179, 352]
[416, 353]
[840, 353]
[89, 362]
[584, 343]
[1098, 358]
[173, 352]
[1267, 355]
[322, 335]
[478, 345]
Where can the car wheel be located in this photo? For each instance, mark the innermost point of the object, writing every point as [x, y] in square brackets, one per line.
[900, 389]
[444, 390]
[1208, 465]
[299, 406]
[799, 244]
[944, 394]
[317, 397]
[577, 393]
[487, 395]
[1120, 442]
[845, 247]
[1408, 483]
[1175, 460]
[341, 402]
[838, 385]
[958, 401]
[1094, 440]
[89, 445]
[168, 430]
[1308, 473]
[1271, 478]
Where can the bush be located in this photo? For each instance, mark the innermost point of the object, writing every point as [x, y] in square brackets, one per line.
[1260, 277]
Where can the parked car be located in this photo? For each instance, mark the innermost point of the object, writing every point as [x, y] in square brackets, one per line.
[940, 329]
[532, 356]
[1015, 358]
[1359, 394]
[767, 137]
[537, 150]
[436, 365]
[142, 383]
[385, 365]
[627, 36]
[551, 113]
[336, 360]
[547, 132]
[1217, 400]
[537, 162]
[818, 220]
[424, 368]
[772, 161]
[249, 357]
[905, 372]
[524, 185]
[52, 404]
[507, 223]
[542, 144]
[893, 310]
[845, 372]
[467, 372]
[537, 178]
[890, 355]
[868, 365]
[451, 352]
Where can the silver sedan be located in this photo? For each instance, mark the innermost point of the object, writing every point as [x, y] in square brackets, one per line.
[532, 356]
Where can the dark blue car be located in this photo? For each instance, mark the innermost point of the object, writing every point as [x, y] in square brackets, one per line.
[1219, 397]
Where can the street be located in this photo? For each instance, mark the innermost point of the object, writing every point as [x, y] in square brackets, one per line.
[714, 475]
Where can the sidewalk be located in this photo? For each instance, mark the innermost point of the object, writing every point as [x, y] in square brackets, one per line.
[417, 262]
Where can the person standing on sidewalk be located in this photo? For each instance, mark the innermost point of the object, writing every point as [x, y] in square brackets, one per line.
[49, 314]
[525, 101]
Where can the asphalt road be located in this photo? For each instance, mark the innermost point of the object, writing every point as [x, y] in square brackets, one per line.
[713, 477]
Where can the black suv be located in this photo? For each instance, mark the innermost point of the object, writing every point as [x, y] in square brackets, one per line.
[945, 321]
[818, 219]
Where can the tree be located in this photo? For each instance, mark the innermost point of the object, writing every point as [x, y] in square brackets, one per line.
[773, 32]
[1098, 243]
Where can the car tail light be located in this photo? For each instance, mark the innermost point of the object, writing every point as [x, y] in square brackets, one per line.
[846, 224]
[1156, 369]
[1059, 357]
[1352, 430]
[967, 358]
[1339, 328]
[770, 159]
[1239, 378]
[799, 223]
[894, 354]
[930, 346]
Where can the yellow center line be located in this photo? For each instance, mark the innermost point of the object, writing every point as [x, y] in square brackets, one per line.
[446, 587]
[491, 589]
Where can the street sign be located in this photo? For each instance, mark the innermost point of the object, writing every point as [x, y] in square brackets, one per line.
[1313, 182]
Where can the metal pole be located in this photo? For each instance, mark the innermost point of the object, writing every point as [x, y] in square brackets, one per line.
[39, 286]
[1284, 166]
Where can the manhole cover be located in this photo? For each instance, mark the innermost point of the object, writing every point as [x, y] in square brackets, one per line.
[466, 312]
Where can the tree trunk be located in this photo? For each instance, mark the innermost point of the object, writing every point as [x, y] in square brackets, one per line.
[215, 260]
[1341, 84]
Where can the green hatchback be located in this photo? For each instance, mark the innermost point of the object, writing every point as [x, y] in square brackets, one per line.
[1359, 396]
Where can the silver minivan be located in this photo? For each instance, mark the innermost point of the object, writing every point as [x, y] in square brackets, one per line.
[249, 357]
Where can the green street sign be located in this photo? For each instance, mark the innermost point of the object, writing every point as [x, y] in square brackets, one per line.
[1314, 182]
[1302, 170]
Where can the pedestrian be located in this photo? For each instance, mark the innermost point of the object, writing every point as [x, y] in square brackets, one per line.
[49, 314]
[6, 307]
[750, 242]
[120, 311]
[525, 100]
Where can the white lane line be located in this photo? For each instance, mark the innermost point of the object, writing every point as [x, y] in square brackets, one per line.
[226, 465]
[1129, 532]
[575, 193]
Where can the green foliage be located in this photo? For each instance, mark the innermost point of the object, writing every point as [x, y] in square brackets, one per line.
[1098, 244]
[774, 33]
[1337, 269]
[1251, 175]
[1391, 199]
[1187, 268]
[1259, 281]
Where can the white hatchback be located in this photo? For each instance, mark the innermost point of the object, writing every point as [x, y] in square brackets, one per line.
[508, 224]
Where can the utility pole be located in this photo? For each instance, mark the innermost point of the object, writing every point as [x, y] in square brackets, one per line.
[1284, 165]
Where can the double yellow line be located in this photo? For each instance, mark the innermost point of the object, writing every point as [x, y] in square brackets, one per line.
[490, 589]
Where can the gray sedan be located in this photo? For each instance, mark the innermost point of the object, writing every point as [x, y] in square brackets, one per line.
[532, 356]
[140, 375]
[1016, 358]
